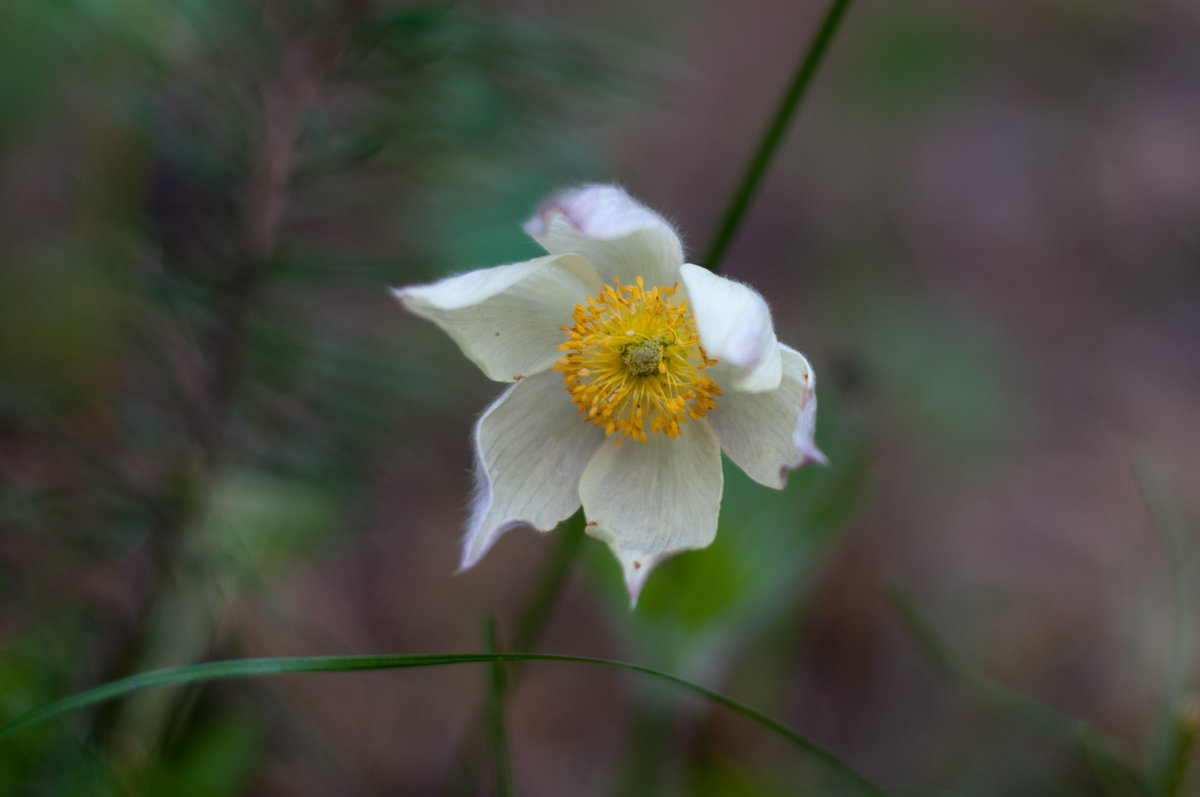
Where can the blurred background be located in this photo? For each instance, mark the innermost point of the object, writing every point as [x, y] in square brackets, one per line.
[219, 437]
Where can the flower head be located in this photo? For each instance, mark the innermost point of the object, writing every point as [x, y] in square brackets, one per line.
[632, 371]
[634, 358]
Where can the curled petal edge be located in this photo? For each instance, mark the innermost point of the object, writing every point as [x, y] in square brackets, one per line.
[803, 438]
[735, 327]
[620, 237]
[530, 453]
[599, 211]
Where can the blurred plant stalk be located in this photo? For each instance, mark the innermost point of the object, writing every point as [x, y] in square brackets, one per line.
[180, 615]
[1186, 728]
[1173, 739]
[1112, 762]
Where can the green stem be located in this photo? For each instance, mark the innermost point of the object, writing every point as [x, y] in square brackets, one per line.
[497, 732]
[769, 143]
[533, 617]
[647, 753]
[307, 664]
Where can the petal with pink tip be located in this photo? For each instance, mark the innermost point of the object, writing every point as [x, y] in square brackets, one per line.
[619, 236]
[768, 434]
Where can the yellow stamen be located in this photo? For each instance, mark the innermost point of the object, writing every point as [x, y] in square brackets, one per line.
[634, 362]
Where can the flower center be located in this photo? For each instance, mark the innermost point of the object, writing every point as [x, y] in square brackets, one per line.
[634, 362]
[643, 358]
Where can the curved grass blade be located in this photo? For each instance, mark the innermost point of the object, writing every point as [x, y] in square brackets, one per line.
[239, 668]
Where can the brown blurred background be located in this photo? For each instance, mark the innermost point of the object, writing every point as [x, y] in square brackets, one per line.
[219, 437]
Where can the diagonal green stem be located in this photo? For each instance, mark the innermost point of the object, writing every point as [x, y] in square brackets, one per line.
[1106, 752]
[769, 143]
[1174, 736]
[239, 668]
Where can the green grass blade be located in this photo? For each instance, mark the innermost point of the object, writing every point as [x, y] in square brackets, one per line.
[240, 668]
[773, 134]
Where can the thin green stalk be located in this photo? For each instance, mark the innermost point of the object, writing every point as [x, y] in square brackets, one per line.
[497, 732]
[239, 668]
[647, 754]
[533, 617]
[1109, 756]
[757, 166]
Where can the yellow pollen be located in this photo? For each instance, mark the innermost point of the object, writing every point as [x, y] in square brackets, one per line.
[634, 363]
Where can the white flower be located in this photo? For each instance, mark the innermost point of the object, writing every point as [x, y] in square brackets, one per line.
[632, 371]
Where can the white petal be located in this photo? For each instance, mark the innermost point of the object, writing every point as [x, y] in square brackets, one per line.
[769, 434]
[508, 319]
[531, 447]
[735, 327]
[651, 500]
[619, 236]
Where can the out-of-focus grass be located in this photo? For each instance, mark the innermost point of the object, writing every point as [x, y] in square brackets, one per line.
[131, 135]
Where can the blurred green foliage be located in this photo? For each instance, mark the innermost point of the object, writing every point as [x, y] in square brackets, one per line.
[218, 759]
[703, 608]
[202, 205]
[182, 409]
[267, 523]
[704, 611]
[44, 356]
[908, 58]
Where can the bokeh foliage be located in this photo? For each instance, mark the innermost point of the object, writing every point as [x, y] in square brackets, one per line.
[198, 200]
[206, 397]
